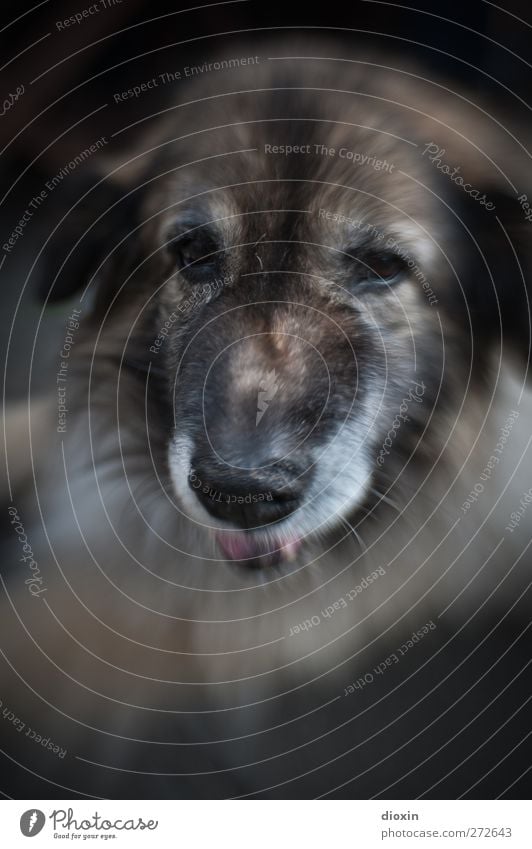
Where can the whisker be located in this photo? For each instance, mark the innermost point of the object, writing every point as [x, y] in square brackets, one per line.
[355, 533]
[386, 500]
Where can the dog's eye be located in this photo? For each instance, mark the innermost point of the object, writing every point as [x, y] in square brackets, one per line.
[383, 267]
[194, 254]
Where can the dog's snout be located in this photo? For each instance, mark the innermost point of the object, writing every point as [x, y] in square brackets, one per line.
[246, 498]
[261, 393]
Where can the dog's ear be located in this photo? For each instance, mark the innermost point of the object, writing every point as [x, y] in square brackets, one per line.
[493, 263]
[477, 151]
[92, 232]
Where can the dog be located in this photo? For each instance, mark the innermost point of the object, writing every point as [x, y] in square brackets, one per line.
[286, 435]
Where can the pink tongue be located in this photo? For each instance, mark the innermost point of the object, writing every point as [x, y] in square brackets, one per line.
[242, 546]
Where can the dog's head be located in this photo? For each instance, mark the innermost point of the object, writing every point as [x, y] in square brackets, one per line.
[312, 286]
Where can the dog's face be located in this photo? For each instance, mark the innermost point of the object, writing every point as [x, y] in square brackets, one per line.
[304, 294]
[293, 343]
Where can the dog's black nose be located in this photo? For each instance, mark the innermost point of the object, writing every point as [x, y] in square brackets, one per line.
[246, 498]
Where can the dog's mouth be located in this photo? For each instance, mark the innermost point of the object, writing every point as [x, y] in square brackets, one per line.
[258, 531]
[252, 551]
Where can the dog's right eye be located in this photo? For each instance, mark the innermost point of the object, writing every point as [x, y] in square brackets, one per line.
[377, 268]
[194, 254]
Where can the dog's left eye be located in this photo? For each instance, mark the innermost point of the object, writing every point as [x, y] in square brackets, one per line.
[194, 253]
[384, 268]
